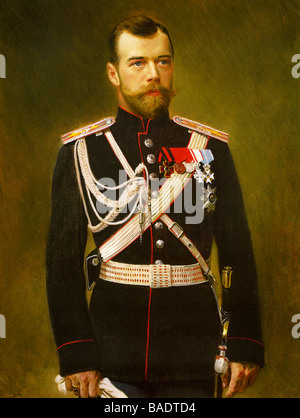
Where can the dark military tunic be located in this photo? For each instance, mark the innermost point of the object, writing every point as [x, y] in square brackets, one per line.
[137, 333]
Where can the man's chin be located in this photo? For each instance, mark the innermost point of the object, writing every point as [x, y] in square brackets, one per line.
[152, 107]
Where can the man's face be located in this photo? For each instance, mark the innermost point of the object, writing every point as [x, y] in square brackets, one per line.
[144, 74]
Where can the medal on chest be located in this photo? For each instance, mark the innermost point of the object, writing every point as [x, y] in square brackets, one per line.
[182, 160]
[204, 175]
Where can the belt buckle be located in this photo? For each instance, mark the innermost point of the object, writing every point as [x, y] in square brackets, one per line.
[160, 275]
[176, 230]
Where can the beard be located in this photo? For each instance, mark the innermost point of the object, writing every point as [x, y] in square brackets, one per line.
[146, 105]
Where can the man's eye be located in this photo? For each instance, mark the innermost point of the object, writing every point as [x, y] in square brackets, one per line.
[137, 63]
[164, 62]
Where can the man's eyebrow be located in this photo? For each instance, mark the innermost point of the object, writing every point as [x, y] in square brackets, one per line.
[141, 58]
[135, 58]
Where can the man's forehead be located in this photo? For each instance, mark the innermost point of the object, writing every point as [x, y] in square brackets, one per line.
[135, 46]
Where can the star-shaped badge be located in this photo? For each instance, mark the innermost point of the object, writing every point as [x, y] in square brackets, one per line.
[209, 199]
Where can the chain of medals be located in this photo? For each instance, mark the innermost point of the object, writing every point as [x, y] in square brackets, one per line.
[204, 175]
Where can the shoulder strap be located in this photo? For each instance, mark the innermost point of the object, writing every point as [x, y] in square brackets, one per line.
[200, 128]
[87, 130]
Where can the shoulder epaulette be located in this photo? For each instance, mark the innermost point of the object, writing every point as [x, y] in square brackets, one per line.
[87, 130]
[203, 129]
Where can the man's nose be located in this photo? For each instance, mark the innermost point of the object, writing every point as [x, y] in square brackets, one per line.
[152, 73]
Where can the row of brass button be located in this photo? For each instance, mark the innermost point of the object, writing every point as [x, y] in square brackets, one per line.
[151, 159]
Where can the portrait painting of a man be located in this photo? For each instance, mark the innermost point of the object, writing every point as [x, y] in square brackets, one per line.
[149, 176]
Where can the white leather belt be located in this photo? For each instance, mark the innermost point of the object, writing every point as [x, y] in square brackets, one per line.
[153, 275]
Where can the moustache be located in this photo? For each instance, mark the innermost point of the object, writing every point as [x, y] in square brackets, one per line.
[150, 88]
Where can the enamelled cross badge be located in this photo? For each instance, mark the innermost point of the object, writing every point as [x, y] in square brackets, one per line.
[181, 160]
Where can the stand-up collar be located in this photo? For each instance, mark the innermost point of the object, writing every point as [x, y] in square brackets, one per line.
[135, 123]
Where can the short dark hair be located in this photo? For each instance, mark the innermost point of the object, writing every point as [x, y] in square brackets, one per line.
[136, 25]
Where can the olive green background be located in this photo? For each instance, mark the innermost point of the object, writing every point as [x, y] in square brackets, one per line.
[233, 72]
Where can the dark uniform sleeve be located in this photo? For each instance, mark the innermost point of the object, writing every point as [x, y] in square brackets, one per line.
[66, 289]
[235, 250]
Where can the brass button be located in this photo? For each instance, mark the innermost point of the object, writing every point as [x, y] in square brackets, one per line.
[160, 244]
[151, 158]
[149, 143]
[158, 225]
[95, 262]
[153, 176]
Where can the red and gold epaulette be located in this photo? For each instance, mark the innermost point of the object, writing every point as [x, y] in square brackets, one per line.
[202, 129]
[87, 130]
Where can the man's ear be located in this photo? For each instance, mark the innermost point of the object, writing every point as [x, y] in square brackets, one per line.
[113, 74]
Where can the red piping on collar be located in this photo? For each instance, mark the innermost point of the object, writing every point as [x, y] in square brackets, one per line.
[131, 113]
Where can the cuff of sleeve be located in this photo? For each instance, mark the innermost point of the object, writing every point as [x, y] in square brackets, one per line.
[246, 350]
[78, 356]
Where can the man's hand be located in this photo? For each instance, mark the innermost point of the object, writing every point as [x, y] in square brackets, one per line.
[238, 377]
[85, 384]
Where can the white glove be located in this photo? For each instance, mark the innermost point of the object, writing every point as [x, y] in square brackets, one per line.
[106, 388]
